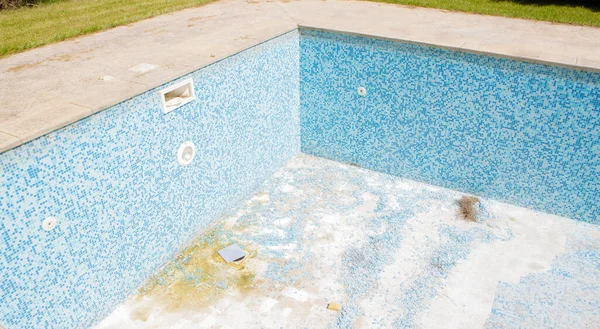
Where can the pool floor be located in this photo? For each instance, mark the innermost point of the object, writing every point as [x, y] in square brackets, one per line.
[393, 252]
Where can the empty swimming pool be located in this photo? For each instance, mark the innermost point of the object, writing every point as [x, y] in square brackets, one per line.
[336, 162]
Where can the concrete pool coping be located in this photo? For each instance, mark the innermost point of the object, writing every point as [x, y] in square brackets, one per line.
[48, 88]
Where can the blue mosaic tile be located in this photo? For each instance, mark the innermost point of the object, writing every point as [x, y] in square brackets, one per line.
[124, 205]
[518, 132]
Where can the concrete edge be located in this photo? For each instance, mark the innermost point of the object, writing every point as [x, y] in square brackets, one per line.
[9, 141]
[215, 61]
[461, 49]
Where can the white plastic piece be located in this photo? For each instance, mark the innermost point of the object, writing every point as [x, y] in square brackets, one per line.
[186, 153]
[49, 223]
[362, 91]
[232, 253]
[176, 101]
[177, 95]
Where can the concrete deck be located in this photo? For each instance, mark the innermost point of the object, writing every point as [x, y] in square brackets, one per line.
[392, 251]
[48, 88]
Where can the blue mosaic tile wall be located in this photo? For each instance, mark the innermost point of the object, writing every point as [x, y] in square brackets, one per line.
[124, 205]
[517, 132]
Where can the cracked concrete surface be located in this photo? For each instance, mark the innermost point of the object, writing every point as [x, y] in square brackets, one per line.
[69, 77]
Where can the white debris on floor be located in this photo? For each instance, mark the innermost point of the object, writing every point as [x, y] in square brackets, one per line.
[392, 253]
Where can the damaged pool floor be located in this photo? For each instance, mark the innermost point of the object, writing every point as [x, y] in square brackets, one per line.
[393, 252]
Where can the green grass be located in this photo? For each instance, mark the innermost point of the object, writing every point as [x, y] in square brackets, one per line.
[57, 20]
[580, 12]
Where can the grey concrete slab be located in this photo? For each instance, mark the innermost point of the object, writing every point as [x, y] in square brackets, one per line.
[94, 71]
[41, 117]
[540, 42]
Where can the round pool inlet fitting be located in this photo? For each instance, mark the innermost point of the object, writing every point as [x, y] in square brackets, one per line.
[186, 153]
[362, 91]
[49, 223]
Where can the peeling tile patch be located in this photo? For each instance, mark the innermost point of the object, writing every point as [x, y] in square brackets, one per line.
[392, 251]
[576, 274]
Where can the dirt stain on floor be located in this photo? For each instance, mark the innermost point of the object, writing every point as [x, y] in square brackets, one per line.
[23, 67]
[196, 278]
[467, 208]
[63, 58]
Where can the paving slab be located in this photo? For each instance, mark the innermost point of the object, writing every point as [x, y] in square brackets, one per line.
[93, 72]
[542, 42]
[42, 118]
[8, 141]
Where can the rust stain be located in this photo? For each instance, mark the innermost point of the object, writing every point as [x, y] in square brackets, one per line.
[22, 67]
[243, 37]
[156, 29]
[64, 58]
[199, 18]
[89, 50]
[261, 197]
[151, 30]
